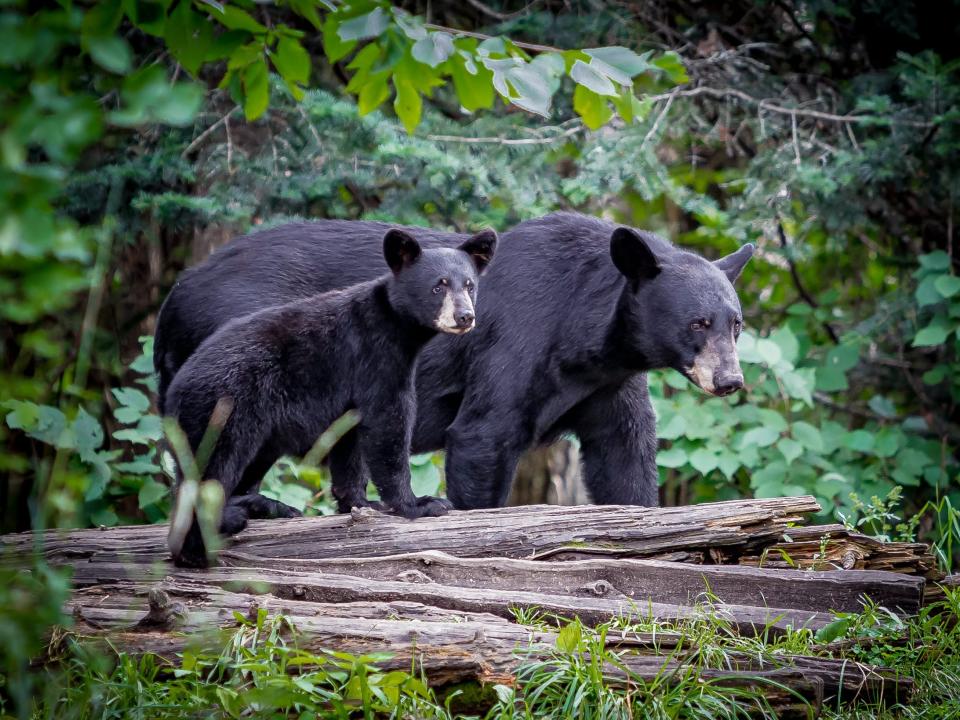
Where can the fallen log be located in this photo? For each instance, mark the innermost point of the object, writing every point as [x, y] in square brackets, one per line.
[449, 646]
[534, 532]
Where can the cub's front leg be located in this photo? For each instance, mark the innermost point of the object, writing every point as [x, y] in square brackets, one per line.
[384, 434]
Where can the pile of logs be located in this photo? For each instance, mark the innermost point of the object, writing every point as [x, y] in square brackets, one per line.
[447, 591]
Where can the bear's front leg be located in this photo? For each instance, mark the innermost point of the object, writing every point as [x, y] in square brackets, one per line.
[384, 436]
[617, 429]
[349, 475]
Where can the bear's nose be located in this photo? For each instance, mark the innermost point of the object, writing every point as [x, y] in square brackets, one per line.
[465, 319]
[727, 384]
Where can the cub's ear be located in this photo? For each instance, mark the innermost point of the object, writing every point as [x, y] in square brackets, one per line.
[480, 248]
[400, 249]
[632, 256]
[732, 265]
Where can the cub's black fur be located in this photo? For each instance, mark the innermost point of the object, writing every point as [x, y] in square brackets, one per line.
[575, 311]
[292, 369]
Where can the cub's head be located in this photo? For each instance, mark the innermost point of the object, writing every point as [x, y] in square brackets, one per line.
[681, 311]
[438, 286]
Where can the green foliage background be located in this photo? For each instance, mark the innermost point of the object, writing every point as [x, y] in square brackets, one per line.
[139, 135]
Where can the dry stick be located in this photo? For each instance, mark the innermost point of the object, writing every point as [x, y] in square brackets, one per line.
[206, 133]
[509, 141]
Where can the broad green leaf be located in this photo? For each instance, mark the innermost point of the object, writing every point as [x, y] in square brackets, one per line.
[256, 90]
[425, 479]
[671, 64]
[626, 62]
[834, 630]
[787, 342]
[591, 107]
[937, 260]
[807, 435]
[233, 18]
[592, 79]
[407, 104]
[531, 89]
[334, 46]
[927, 292]
[102, 18]
[111, 52]
[799, 384]
[131, 397]
[181, 105]
[703, 461]
[474, 90]
[188, 36]
[947, 285]
[790, 449]
[629, 107]
[364, 26]
[933, 334]
[887, 442]
[151, 492]
[672, 457]
[568, 639]
[433, 49]
[373, 93]
[860, 441]
[292, 61]
[86, 431]
[769, 351]
[759, 436]
[673, 428]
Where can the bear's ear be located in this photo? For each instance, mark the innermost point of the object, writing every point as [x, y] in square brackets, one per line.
[732, 265]
[480, 248]
[400, 249]
[632, 256]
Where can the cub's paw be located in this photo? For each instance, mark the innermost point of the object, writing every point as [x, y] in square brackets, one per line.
[286, 511]
[425, 506]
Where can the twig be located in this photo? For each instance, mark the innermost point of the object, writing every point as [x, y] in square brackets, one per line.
[206, 133]
[807, 297]
[496, 14]
[656, 123]
[481, 36]
[764, 104]
[508, 141]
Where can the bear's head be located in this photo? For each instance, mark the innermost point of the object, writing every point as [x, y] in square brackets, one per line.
[681, 311]
[437, 287]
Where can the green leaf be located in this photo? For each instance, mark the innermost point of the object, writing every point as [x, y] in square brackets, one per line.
[703, 461]
[292, 61]
[592, 79]
[834, 630]
[671, 64]
[474, 90]
[102, 18]
[256, 90]
[425, 479]
[364, 26]
[759, 436]
[927, 293]
[807, 435]
[433, 49]
[407, 104]
[860, 441]
[937, 260]
[947, 285]
[591, 107]
[133, 398]
[333, 46]
[672, 457]
[569, 638]
[372, 94]
[769, 351]
[233, 18]
[784, 339]
[87, 433]
[111, 53]
[151, 492]
[624, 61]
[933, 334]
[790, 449]
[188, 36]
[629, 107]
[182, 104]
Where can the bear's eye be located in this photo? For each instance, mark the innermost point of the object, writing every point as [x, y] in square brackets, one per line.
[468, 284]
[438, 289]
[737, 326]
[699, 324]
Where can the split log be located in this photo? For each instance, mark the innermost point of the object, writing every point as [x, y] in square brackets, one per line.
[451, 647]
[829, 547]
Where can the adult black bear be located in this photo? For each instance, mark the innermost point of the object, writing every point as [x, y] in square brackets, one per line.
[575, 311]
[290, 370]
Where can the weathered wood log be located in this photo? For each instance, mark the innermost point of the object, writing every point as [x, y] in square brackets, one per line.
[829, 547]
[534, 532]
[451, 647]
[594, 603]
[640, 581]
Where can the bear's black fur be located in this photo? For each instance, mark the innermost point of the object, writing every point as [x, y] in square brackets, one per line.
[575, 311]
[290, 370]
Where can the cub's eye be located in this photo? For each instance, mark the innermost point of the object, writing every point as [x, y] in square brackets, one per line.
[699, 324]
[469, 284]
[737, 326]
[438, 289]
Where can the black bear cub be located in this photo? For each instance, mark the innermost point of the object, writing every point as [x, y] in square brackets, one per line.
[291, 370]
